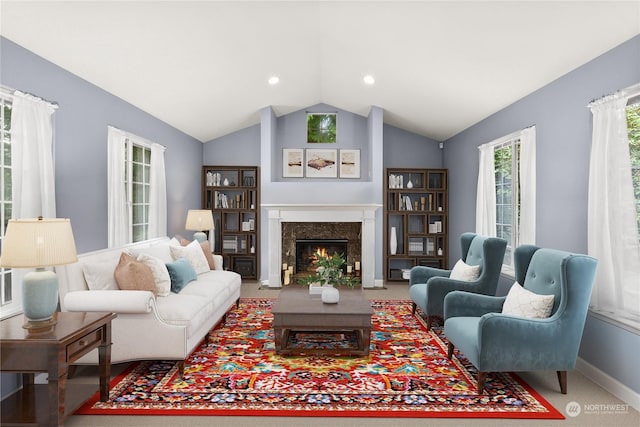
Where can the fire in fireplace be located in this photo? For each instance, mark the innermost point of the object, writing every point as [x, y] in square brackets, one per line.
[306, 250]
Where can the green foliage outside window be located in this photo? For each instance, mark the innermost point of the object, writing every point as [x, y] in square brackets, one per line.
[633, 126]
[321, 127]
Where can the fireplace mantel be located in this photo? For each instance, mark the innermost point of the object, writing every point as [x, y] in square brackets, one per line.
[362, 213]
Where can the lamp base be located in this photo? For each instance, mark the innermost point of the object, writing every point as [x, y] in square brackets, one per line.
[39, 297]
[200, 236]
[36, 326]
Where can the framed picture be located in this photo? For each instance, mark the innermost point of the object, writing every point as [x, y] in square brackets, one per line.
[292, 162]
[349, 163]
[321, 127]
[321, 163]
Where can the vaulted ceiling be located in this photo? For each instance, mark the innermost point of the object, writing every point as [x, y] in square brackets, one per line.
[203, 66]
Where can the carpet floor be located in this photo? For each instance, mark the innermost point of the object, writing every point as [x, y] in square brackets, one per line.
[236, 372]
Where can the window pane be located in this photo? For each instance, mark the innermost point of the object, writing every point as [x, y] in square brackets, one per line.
[147, 156]
[138, 171]
[139, 233]
[138, 214]
[137, 153]
[138, 193]
[7, 150]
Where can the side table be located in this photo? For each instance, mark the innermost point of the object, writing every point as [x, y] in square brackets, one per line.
[51, 350]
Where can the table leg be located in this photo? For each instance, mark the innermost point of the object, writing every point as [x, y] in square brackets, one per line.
[56, 389]
[104, 361]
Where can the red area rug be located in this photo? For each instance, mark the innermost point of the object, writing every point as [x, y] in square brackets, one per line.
[236, 372]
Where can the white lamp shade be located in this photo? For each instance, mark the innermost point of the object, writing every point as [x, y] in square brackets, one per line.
[38, 242]
[199, 220]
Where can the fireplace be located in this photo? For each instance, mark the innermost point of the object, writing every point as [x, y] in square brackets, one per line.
[359, 229]
[307, 250]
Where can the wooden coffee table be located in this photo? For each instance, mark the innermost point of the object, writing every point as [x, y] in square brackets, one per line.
[296, 311]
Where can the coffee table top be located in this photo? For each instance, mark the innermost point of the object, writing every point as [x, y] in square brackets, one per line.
[297, 300]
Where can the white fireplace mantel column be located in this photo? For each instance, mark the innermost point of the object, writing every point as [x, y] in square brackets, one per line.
[364, 214]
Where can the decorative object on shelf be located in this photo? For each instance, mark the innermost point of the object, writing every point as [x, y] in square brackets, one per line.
[225, 183]
[321, 127]
[409, 184]
[349, 163]
[199, 220]
[393, 241]
[292, 162]
[38, 243]
[330, 295]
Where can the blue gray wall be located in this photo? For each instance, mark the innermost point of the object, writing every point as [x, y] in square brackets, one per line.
[397, 147]
[80, 140]
[563, 128]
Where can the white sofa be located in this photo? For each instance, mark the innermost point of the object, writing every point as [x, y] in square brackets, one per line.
[149, 327]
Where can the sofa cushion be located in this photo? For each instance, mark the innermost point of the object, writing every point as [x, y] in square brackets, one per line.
[465, 272]
[524, 303]
[134, 275]
[190, 311]
[206, 249]
[181, 273]
[193, 254]
[159, 271]
[99, 275]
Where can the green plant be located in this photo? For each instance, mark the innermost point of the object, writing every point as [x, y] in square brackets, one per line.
[329, 271]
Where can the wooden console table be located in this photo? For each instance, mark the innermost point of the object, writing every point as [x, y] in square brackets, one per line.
[52, 351]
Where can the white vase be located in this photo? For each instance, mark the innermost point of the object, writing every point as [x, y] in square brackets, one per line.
[330, 295]
[393, 241]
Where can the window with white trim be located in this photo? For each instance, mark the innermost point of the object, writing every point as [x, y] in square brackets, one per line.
[137, 185]
[506, 198]
[506, 159]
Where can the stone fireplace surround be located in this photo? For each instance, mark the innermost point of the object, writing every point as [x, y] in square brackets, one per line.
[361, 213]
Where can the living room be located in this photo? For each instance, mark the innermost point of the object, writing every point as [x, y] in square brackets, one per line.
[558, 109]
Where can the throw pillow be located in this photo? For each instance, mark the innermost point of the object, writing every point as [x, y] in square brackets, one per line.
[524, 303]
[214, 264]
[160, 273]
[133, 275]
[206, 249]
[465, 272]
[99, 276]
[181, 273]
[192, 253]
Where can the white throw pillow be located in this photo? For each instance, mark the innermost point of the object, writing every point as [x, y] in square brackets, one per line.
[160, 273]
[524, 303]
[465, 272]
[100, 275]
[192, 253]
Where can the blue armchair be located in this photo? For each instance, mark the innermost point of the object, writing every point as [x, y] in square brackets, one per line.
[497, 342]
[428, 286]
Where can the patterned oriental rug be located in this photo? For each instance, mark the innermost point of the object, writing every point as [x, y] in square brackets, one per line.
[236, 372]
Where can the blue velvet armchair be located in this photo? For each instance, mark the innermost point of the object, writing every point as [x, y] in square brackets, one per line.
[496, 342]
[428, 286]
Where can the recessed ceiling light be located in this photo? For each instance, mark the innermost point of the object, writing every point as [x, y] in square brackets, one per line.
[368, 79]
[274, 80]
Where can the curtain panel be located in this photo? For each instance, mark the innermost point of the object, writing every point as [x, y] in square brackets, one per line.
[32, 171]
[612, 229]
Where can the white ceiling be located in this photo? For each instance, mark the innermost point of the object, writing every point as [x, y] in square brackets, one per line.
[202, 66]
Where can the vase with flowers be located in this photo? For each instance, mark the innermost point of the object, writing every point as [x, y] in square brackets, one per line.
[329, 274]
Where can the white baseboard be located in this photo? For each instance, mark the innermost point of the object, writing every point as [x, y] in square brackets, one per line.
[609, 383]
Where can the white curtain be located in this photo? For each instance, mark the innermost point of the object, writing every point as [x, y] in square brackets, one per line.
[527, 228]
[486, 193]
[118, 216]
[32, 172]
[158, 195]
[612, 229]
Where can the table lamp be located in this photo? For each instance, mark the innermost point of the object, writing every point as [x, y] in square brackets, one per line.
[38, 243]
[199, 220]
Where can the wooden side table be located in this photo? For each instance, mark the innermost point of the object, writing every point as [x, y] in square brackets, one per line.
[52, 351]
